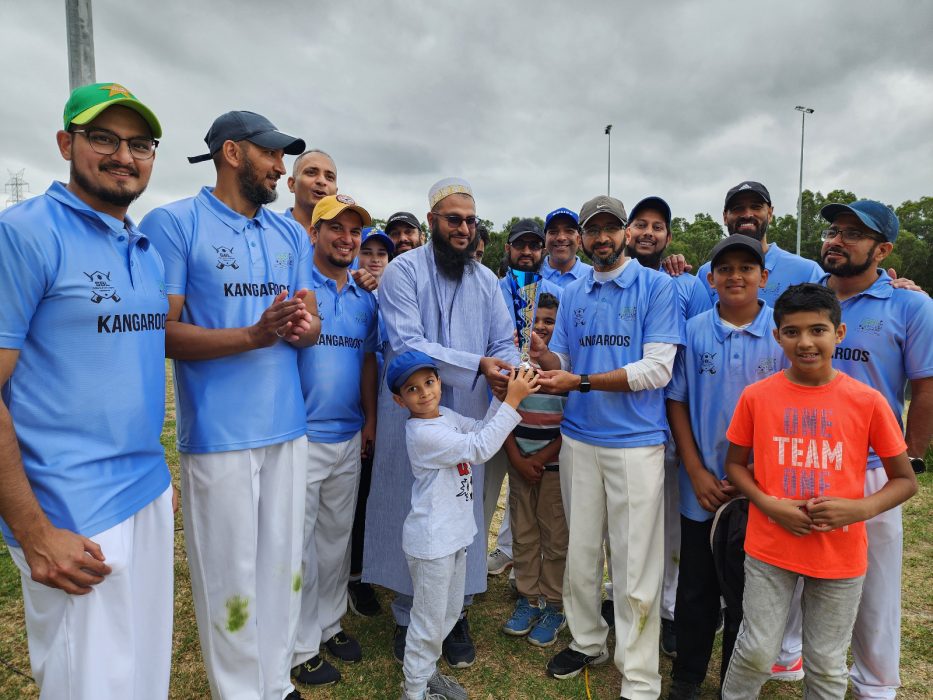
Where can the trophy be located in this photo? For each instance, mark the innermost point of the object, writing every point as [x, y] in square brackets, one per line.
[524, 287]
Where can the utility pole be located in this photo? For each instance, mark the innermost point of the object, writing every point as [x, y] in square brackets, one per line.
[804, 111]
[608, 156]
[17, 187]
[80, 31]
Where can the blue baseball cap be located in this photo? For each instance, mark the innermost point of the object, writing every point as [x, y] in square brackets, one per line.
[655, 203]
[875, 215]
[247, 126]
[403, 366]
[380, 235]
[563, 211]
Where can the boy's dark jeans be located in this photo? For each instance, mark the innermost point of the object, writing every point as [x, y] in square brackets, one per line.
[696, 611]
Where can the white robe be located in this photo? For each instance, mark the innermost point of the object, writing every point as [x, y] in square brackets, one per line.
[456, 323]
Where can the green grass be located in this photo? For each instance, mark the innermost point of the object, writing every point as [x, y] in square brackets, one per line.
[505, 667]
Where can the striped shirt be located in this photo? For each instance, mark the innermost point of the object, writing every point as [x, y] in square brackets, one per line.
[541, 415]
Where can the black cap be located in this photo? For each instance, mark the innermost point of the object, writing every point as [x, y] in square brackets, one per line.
[656, 203]
[737, 240]
[247, 126]
[403, 217]
[748, 186]
[523, 227]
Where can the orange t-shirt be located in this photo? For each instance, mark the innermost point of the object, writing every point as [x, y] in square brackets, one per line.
[807, 442]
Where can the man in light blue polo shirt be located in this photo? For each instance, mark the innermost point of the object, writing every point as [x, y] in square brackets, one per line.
[613, 347]
[86, 498]
[888, 343]
[562, 241]
[237, 277]
[748, 211]
[338, 380]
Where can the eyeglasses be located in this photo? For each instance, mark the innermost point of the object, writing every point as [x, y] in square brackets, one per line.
[642, 225]
[848, 235]
[593, 231]
[527, 244]
[106, 143]
[454, 220]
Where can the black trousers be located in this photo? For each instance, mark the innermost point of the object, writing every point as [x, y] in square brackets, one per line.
[696, 611]
[359, 518]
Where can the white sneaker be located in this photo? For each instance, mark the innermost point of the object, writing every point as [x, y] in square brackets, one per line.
[497, 562]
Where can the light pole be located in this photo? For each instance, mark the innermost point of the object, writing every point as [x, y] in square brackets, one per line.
[608, 156]
[804, 111]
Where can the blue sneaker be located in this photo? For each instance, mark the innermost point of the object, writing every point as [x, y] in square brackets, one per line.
[549, 624]
[523, 618]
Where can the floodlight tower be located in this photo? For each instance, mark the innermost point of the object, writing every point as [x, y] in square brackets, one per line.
[804, 111]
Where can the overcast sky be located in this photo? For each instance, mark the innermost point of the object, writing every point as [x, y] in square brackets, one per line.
[514, 96]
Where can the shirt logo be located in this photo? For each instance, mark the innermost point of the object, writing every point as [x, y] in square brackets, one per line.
[100, 287]
[225, 257]
[162, 289]
[578, 319]
[708, 362]
[284, 261]
[870, 325]
[362, 318]
[767, 365]
[628, 313]
[320, 309]
[465, 475]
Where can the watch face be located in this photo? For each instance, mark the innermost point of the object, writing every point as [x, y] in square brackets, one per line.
[918, 465]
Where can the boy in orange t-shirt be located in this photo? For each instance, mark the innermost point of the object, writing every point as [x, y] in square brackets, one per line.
[811, 428]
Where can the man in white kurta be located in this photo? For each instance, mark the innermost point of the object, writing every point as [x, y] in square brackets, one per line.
[438, 300]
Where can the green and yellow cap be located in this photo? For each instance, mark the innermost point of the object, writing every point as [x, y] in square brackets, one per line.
[87, 101]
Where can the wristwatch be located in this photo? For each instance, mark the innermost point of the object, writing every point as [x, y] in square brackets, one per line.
[584, 383]
[918, 465]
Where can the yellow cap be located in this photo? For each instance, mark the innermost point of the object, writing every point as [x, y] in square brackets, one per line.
[331, 206]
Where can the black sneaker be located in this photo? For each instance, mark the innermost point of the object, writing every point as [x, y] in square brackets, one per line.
[398, 643]
[363, 600]
[668, 638]
[683, 690]
[458, 648]
[316, 671]
[294, 695]
[608, 611]
[569, 663]
[344, 647]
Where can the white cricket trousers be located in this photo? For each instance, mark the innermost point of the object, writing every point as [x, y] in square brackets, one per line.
[116, 641]
[620, 490]
[332, 482]
[244, 517]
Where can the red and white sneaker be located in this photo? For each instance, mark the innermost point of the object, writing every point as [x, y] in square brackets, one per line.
[793, 672]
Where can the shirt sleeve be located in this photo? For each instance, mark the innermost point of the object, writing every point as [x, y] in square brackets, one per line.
[653, 370]
[440, 445]
[677, 389]
[918, 343]
[559, 340]
[661, 324]
[26, 275]
[305, 253]
[884, 433]
[741, 429]
[170, 239]
[371, 342]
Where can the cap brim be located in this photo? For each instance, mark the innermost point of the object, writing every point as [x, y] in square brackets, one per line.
[401, 379]
[738, 245]
[390, 246]
[276, 139]
[652, 203]
[142, 110]
[831, 211]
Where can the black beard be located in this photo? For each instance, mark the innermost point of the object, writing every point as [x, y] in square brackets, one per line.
[338, 263]
[608, 260]
[652, 261]
[118, 197]
[251, 188]
[759, 233]
[450, 261]
[534, 266]
[848, 268]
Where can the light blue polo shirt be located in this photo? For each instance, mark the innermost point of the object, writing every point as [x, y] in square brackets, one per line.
[229, 269]
[83, 301]
[331, 370]
[691, 295]
[785, 269]
[889, 341]
[603, 327]
[544, 285]
[562, 279]
[715, 365]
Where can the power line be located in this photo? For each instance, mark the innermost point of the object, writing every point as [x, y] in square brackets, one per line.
[17, 187]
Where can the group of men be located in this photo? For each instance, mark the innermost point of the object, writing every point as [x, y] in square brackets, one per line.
[276, 341]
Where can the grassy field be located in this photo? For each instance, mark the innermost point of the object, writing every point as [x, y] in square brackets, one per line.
[505, 667]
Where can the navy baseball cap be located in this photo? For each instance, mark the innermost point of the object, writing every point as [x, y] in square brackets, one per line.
[748, 186]
[403, 217]
[371, 232]
[247, 126]
[737, 240]
[562, 211]
[403, 366]
[875, 215]
[524, 227]
[655, 203]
